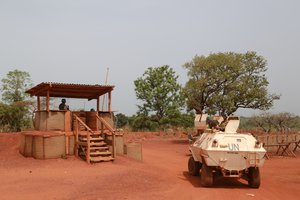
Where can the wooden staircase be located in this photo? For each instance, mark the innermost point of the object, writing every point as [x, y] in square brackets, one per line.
[97, 148]
[90, 145]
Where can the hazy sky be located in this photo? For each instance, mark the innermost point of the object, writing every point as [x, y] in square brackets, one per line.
[74, 41]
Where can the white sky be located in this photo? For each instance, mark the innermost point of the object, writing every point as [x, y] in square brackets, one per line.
[74, 41]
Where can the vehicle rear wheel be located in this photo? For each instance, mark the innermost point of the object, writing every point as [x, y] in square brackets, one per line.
[206, 176]
[194, 167]
[254, 177]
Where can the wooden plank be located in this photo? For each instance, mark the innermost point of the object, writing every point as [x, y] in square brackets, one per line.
[98, 153]
[297, 145]
[99, 148]
[92, 143]
[48, 101]
[106, 124]
[101, 159]
[67, 121]
[95, 133]
[282, 149]
[76, 139]
[92, 139]
[98, 104]
[88, 151]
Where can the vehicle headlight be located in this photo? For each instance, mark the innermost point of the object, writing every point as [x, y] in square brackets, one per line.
[214, 143]
[257, 144]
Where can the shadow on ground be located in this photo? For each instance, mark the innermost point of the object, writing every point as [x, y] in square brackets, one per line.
[219, 182]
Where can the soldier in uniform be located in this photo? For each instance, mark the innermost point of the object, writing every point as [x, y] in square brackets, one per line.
[63, 105]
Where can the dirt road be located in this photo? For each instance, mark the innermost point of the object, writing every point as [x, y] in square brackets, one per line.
[162, 175]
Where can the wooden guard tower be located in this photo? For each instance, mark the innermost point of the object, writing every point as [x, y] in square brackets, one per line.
[91, 132]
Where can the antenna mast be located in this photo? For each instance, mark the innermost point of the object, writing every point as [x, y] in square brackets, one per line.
[106, 80]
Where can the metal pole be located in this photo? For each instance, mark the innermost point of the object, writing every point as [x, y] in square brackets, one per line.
[106, 80]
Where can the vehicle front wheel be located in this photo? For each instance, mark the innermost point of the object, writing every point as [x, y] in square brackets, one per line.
[254, 177]
[206, 176]
[194, 167]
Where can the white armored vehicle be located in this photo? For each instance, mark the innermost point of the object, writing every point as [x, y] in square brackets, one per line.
[226, 153]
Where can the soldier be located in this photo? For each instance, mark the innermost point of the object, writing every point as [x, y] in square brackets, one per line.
[63, 105]
[212, 124]
[223, 123]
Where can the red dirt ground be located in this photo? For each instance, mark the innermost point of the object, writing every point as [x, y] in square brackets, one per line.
[161, 175]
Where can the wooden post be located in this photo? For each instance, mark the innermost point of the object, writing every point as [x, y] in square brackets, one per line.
[113, 145]
[67, 144]
[66, 135]
[48, 100]
[297, 144]
[88, 150]
[98, 104]
[102, 129]
[76, 138]
[43, 147]
[109, 101]
[67, 121]
[38, 103]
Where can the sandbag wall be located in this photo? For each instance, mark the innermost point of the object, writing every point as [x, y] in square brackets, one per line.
[46, 145]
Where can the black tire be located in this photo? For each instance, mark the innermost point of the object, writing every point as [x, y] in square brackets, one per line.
[254, 177]
[194, 167]
[206, 176]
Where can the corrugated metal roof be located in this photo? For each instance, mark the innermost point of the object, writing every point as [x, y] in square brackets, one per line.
[70, 90]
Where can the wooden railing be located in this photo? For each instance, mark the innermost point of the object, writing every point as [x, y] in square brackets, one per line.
[111, 130]
[77, 130]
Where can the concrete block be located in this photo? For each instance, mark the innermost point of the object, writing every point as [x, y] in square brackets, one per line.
[134, 150]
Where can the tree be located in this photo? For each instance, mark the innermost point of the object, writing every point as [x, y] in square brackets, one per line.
[143, 123]
[224, 82]
[284, 121]
[160, 93]
[13, 117]
[14, 86]
[121, 120]
[281, 122]
[4, 117]
[16, 113]
[264, 121]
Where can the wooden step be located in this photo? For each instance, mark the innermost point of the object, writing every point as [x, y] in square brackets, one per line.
[97, 153]
[101, 159]
[99, 148]
[85, 133]
[100, 132]
[93, 144]
[92, 139]
[100, 153]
